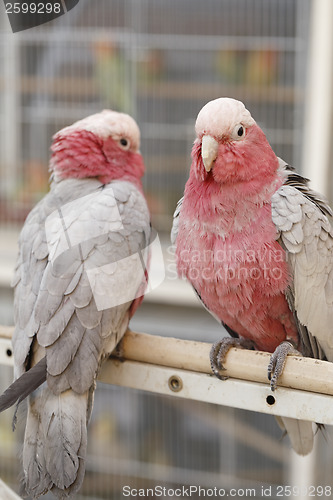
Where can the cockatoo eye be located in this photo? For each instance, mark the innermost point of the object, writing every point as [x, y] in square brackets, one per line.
[238, 133]
[124, 143]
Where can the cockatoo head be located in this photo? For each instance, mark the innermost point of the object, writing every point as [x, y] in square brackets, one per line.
[104, 145]
[230, 146]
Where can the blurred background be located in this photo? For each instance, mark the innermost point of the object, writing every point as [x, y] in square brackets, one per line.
[161, 61]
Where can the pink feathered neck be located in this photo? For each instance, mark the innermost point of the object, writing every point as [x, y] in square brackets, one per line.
[82, 155]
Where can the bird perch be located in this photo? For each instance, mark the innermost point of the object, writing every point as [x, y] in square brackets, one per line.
[181, 368]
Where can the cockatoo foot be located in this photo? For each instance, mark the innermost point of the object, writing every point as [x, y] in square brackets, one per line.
[220, 349]
[278, 360]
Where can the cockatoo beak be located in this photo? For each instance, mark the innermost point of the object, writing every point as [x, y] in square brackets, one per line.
[209, 149]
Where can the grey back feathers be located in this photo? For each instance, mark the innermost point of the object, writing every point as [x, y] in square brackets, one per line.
[72, 306]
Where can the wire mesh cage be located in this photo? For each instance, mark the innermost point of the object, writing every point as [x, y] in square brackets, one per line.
[160, 62]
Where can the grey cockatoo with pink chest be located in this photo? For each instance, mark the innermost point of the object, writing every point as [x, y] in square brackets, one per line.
[79, 278]
[256, 244]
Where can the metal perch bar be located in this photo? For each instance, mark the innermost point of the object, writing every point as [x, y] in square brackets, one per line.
[6, 493]
[181, 368]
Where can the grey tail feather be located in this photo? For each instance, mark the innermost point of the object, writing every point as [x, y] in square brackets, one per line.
[24, 385]
[55, 442]
[300, 433]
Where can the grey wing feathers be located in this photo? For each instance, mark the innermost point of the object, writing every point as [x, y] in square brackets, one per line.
[310, 346]
[68, 294]
[175, 225]
[306, 234]
[301, 184]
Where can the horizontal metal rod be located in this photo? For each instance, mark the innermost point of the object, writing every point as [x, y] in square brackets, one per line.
[125, 38]
[299, 373]
[6, 493]
[235, 393]
[181, 368]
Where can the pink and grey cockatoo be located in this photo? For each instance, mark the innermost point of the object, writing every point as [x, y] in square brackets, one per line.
[256, 244]
[80, 277]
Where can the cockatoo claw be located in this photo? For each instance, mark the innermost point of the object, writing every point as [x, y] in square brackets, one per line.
[220, 349]
[278, 360]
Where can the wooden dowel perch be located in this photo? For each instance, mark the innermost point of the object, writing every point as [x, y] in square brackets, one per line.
[6, 332]
[299, 373]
